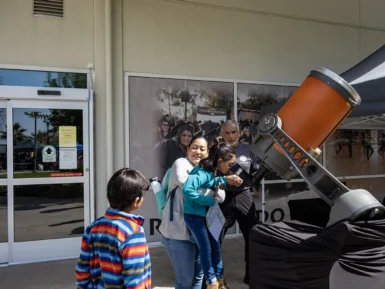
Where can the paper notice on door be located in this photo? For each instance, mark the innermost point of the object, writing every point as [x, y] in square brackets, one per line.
[67, 136]
[68, 158]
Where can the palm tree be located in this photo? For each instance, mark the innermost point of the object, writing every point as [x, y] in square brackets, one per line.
[18, 133]
[41, 137]
[35, 115]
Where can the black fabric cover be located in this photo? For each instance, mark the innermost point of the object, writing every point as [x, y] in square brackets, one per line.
[290, 255]
[310, 211]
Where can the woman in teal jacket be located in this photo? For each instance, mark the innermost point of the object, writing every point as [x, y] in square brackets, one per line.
[196, 203]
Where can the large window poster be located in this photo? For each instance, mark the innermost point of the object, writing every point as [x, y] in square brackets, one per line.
[172, 110]
[253, 102]
[164, 114]
[356, 149]
[355, 152]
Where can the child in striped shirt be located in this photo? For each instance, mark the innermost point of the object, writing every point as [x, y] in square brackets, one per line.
[114, 251]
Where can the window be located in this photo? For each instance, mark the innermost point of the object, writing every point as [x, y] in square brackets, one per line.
[13, 77]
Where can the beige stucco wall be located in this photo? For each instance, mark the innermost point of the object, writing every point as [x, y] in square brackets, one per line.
[26, 39]
[271, 40]
[343, 11]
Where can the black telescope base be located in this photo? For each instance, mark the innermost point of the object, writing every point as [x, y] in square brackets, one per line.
[294, 255]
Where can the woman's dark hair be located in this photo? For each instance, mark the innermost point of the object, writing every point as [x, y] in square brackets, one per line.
[199, 137]
[181, 130]
[219, 150]
[249, 138]
[124, 187]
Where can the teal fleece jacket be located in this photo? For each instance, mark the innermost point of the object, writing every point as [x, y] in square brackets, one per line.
[195, 202]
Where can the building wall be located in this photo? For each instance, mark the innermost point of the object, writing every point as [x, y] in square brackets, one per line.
[252, 40]
[47, 41]
[265, 40]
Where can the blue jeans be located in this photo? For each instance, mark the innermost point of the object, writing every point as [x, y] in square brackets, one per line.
[185, 260]
[209, 248]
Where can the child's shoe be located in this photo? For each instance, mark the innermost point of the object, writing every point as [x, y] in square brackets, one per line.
[223, 284]
[213, 286]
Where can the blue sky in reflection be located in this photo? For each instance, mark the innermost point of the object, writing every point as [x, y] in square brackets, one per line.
[24, 77]
[13, 77]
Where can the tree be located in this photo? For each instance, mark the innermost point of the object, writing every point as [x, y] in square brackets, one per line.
[3, 115]
[171, 102]
[220, 98]
[169, 97]
[18, 133]
[35, 115]
[43, 138]
[66, 80]
[256, 99]
[66, 117]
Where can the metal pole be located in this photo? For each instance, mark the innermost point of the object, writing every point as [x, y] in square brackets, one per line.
[47, 132]
[185, 111]
[263, 200]
[35, 154]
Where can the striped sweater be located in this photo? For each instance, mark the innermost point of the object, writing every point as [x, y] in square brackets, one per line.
[114, 254]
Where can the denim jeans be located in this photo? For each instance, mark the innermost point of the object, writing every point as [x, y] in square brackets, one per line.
[209, 248]
[185, 260]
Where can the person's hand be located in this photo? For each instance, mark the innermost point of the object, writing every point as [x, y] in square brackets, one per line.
[234, 180]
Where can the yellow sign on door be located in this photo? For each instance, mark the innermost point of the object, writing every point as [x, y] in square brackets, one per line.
[67, 136]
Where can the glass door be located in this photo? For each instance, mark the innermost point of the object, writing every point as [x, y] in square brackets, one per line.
[3, 185]
[48, 179]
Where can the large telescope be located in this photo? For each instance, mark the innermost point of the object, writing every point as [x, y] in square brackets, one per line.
[288, 143]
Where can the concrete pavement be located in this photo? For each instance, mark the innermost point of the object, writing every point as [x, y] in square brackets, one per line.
[60, 274]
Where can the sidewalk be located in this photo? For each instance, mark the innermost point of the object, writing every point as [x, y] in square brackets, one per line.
[60, 274]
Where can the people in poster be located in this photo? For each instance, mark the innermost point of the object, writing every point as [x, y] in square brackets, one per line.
[164, 128]
[167, 151]
[160, 106]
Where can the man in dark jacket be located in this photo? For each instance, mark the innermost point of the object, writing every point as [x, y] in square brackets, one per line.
[239, 205]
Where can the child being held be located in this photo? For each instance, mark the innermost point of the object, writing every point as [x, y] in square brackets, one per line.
[196, 203]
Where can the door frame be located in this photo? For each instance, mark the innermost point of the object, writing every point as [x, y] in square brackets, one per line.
[27, 97]
[4, 247]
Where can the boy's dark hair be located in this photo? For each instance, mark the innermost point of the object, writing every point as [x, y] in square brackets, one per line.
[124, 187]
[219, 150]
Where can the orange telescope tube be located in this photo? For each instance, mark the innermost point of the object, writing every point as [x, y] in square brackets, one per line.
[317, 108]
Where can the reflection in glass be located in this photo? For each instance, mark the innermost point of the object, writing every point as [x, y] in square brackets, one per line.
[278, 191]
[375, 186]
[3, 215]
[3, 143]
[255, 101]
[12, 77]
[306, 201]
[277, 197]
[36, 129]
[48, 211]
[355, 152]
